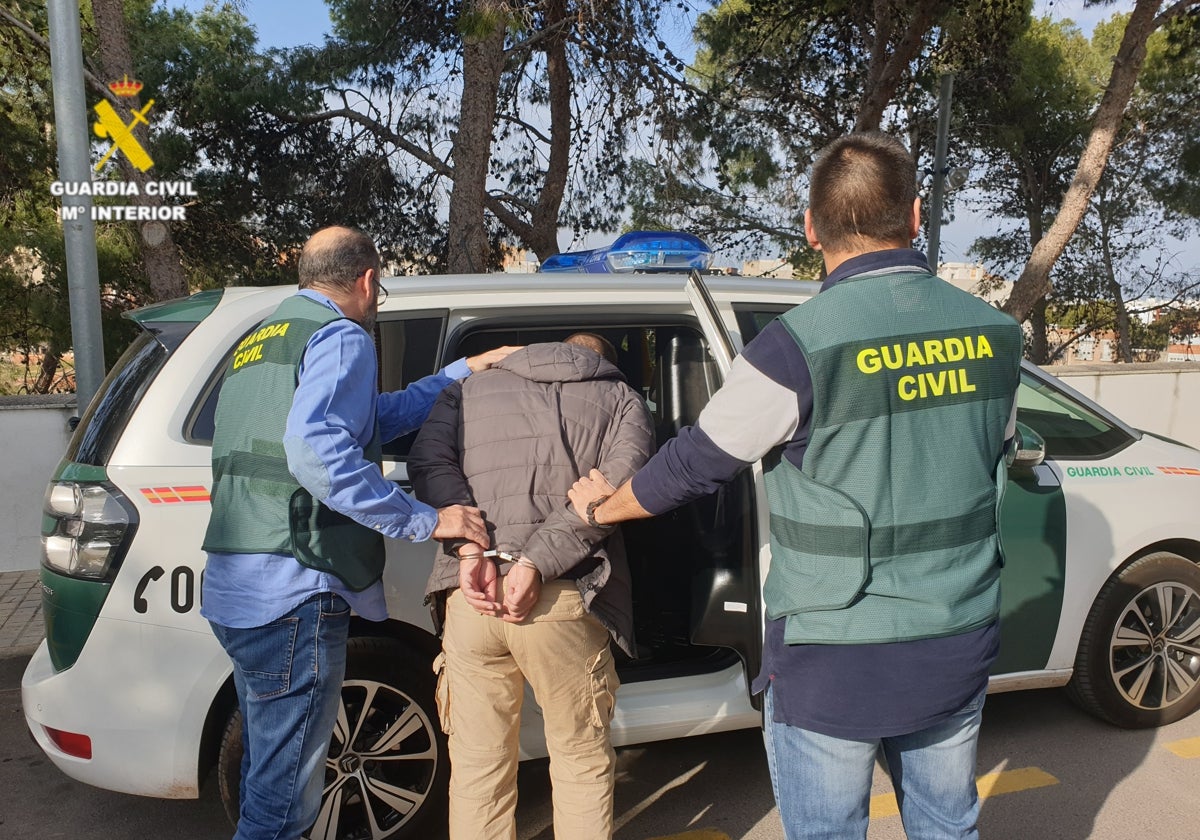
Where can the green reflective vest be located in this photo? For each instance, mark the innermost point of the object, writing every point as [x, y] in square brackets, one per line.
[889, 532]
[257, 506]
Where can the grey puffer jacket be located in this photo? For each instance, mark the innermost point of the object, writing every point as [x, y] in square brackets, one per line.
[512, 440]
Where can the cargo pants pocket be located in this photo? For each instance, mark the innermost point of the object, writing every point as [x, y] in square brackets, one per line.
[442, 692]
[602, 676]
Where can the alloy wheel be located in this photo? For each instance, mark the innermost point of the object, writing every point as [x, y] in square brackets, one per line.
[1154, 653]
[382, 763]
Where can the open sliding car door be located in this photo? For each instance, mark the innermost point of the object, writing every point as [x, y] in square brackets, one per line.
[726, 589]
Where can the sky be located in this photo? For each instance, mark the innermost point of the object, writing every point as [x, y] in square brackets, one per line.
[290, 23]
[279, 23]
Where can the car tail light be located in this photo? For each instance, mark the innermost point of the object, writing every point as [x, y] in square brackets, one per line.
[71, 743]
[86, 529]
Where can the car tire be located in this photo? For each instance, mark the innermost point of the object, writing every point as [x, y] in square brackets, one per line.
[388, 769]
[1138, 663]
[229, 765]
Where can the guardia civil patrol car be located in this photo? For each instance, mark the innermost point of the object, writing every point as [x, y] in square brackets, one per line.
[130, 691]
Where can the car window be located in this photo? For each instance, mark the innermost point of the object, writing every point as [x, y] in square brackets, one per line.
[122, 390]
[407, 350]
[668, 363]
[1069, 429]
[753, 318]
[118, 397]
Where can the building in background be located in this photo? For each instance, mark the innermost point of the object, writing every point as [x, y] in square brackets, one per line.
[974, 278]
[516, 260]
[778, 268]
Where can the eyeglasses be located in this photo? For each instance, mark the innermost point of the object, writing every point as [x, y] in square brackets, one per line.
[380, 293]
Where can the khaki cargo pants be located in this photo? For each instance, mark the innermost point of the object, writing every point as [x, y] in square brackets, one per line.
[563, 652]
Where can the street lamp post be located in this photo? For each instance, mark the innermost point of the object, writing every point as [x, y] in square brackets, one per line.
[74, 164]
[938, 192]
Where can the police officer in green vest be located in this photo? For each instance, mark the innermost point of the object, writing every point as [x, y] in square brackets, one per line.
[882, 409]
[300, 508]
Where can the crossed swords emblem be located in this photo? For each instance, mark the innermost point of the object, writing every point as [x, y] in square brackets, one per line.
[112, 126]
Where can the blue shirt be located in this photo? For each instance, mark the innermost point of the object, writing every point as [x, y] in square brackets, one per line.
[845, 691]
[329, 426]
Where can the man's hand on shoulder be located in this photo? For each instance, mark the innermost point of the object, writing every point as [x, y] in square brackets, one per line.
[460, 522]
[485, 360]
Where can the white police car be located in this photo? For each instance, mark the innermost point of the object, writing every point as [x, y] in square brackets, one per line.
[131, 692]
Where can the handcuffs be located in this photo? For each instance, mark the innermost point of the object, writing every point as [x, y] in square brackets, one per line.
[501, 555]
[495, 553]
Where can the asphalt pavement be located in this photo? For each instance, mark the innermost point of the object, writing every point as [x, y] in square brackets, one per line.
[1047, 770]
[21, 629]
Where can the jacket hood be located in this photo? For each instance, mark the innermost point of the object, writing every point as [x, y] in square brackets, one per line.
[559, 362]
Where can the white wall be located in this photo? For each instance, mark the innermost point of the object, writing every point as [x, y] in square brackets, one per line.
[1163, 398]
[35, 435]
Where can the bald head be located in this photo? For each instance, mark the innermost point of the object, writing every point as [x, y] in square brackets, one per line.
[334, 257]
[598, 344]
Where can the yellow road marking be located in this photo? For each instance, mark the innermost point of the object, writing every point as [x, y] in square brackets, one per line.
[1185, 749]
[993, 784]
[702, 834]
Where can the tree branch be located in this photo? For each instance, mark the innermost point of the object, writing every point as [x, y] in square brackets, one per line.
[495, 203]
[1174, 11]
[28, 31]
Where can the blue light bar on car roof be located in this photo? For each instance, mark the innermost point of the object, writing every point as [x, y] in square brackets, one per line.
[638, 251]
[569, 261]
[644, 250]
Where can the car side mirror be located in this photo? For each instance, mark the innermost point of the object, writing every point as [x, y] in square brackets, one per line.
[1028, 449]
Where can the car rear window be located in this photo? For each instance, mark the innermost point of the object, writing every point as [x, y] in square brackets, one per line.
[109, 411]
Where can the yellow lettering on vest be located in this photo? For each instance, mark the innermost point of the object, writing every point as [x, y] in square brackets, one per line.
[906, 387]
[244, 357]
[868, 361]
[915, 359]
[964, 386]
[262, 334]
[955, 351]
[937, 382]
[893, 356]
[933, 351]
[983, 349]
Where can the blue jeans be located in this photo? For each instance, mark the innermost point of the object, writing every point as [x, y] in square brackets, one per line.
[288, 675]
[823, 784]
